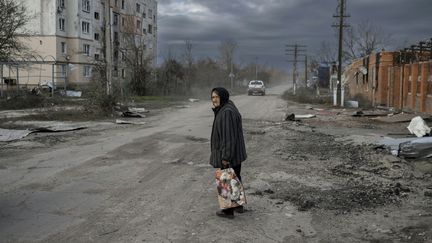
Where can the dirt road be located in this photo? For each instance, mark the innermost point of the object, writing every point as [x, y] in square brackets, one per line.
[306, 182]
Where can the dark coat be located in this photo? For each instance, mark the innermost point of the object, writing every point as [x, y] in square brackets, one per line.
[227, 141]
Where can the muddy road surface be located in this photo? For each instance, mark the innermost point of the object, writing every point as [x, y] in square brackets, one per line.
[318, 180]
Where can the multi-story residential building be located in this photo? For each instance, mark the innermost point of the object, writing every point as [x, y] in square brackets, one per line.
[72, 33]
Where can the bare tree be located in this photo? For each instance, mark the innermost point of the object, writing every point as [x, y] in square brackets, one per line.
[13, 18]
[226, 51]
[327, 52]
[364, 39]
[188, 62]
[135, 53]
[171, 74]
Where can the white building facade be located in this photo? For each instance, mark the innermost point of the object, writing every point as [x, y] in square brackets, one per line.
[72, 32]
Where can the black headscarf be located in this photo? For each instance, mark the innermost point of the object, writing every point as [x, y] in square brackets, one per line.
[223, 94]
[224, 97]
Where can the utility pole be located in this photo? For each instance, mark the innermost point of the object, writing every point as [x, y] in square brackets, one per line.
[306, 69]
[295, 52]
[108, 47]
[1, 90]
[256, 68]
[341, 15]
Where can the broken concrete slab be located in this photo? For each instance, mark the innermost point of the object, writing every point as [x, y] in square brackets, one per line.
[393, 143]
[417, 148]
[7, 135]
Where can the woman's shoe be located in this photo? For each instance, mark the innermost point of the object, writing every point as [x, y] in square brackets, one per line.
[239, 209]
[225, 213]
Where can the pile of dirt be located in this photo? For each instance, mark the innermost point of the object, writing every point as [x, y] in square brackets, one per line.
[359, 173]
[351, 197]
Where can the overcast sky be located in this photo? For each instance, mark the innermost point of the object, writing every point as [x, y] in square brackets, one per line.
[263, 27]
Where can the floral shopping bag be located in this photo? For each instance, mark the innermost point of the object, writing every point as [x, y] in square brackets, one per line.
[230, 189]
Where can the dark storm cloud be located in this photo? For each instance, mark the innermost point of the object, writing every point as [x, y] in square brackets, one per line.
[262, 28]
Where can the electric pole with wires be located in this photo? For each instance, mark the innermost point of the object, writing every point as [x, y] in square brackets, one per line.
[295, 51]
[341, 10]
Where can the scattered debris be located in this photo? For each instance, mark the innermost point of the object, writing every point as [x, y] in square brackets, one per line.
[417, 148]
[358, 113]
[370, 113]
[193, 100]
[294, 117]
[418, 127]
[58, 128]
[305, 116]
[290, 117]
[118, 121]
[132, 114]
[71, 93]
[7, 135]
[428, 193]
[352, 104]
[399, 117]
[138, 110]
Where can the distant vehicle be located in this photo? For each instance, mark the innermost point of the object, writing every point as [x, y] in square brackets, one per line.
[256, 87]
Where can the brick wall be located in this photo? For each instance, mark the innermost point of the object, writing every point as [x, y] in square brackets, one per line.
[407, 86]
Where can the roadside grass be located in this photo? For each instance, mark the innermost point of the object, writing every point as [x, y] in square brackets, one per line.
[32, 101]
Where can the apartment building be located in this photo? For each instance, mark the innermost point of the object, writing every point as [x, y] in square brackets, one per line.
[72, 33]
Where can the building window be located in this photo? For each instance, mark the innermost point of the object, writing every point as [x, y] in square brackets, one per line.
[63, 47]
[87, 71]
[62, 24]
[63, 70]
[123, 21]
[115, 20]
[116, 55]
[123, 73]
[150, 13]
[86, 49]
[150, 29]
[96, 15]
[116, 37]
[138, 23]
[123, 56]
[97, 56]
[86, 5]
[96, 36]
[116, 3]
[115, 72]
[138, 8]
[61, 3]
[85, 26]
[123, 4]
